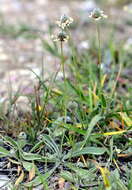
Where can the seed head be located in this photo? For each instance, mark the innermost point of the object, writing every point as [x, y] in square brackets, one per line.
[61, 36]
[64, 21]
[97, 14]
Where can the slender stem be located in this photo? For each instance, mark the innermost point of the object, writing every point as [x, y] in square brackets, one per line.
[62, 62]
[99, 43]
[99, 51]
[64, 76]
[42, 66]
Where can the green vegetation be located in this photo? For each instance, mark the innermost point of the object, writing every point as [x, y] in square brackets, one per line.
[80, 129]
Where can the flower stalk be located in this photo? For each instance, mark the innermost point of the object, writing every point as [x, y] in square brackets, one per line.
[99, 50]
[62, 37]
[97, 15]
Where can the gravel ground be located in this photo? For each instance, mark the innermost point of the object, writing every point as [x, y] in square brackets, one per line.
[19, 55]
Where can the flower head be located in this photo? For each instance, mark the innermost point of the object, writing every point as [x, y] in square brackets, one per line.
[97, 14]
[61, 36]
[64, 21]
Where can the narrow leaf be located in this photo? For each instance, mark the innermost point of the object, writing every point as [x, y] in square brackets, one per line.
[86, 150]
[93, 122]
[3, 152]
[114, 133]
[125, 118]
[28, 166]
[105, 173]
[30, 156]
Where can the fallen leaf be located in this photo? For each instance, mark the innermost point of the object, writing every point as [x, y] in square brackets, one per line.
[124, 155]
[114, 125]
[19, 170]
[9, 165]
[31, 174]
[20, 179]
[61, 183]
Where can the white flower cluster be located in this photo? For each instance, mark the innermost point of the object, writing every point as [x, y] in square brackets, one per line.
[63, 23]
[97, 14]
[61, 36]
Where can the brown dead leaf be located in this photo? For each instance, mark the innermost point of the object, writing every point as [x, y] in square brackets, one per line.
[9, 165]
[14, 161]
[20, 179]
[114, 125]
[61, 183]
[124, 155]
[31, 174]
[19, 169]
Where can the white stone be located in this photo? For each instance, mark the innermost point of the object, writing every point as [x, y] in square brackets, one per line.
[40, 187]
[4, 182]
[23, 104]
[84, 45]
